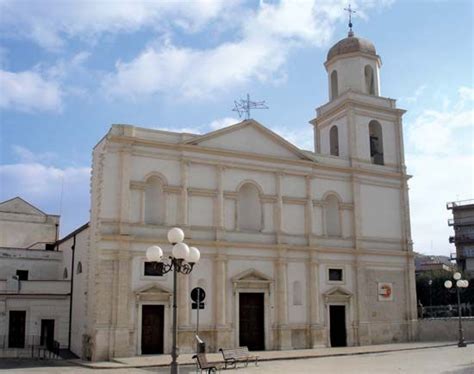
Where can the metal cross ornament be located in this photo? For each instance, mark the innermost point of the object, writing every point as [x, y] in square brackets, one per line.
[350, 11]
[243, 106]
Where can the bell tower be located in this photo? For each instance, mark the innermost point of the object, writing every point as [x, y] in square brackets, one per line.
[358, 124]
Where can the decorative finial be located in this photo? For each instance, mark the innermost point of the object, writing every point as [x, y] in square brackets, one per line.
[243, 106]
[350, 11]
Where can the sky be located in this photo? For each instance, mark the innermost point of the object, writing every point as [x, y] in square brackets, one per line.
[68, 70]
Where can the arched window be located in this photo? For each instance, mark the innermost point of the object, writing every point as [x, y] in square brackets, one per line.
[297, 293]
[65, 273]
[369, 80]
[376, 142]
[333, 224]
[79, 268]
[249, 208]
[334, 141]
[154, 199]
[334, 87]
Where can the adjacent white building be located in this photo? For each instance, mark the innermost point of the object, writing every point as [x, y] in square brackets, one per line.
[34, 297]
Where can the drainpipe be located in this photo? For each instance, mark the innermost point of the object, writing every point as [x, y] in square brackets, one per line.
[57, 231]
[73, 248]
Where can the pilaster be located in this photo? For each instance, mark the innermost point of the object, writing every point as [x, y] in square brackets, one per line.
[124, 190]
[279, 207]
[317, 338]
[283, 330]
[183, 300]
[183, 219]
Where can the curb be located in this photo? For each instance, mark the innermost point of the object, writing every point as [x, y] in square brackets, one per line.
[118, 365]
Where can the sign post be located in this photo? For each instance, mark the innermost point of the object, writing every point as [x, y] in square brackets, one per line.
[197, 295]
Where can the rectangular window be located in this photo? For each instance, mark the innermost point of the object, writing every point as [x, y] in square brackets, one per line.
[22, 275]
[153, 269]
[335, 275]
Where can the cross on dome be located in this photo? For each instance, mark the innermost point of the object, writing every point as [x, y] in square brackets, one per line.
[350, 11]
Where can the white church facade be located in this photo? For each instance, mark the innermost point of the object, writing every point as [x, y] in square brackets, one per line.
[299, 249]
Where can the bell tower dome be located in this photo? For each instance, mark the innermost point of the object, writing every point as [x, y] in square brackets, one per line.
[353, 64]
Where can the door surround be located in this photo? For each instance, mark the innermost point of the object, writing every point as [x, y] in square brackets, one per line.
[153, 295]
[339, 296]
[250, 281]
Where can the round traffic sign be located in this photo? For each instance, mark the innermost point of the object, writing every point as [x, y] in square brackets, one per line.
[198, 294]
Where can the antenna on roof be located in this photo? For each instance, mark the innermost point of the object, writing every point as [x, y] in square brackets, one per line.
[243, 106]
[350, 11]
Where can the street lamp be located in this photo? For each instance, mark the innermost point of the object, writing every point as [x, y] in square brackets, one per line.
[182, 260]
[460, 283]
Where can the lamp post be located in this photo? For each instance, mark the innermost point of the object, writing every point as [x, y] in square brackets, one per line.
[430, 283]
[460, 283]
[182, 260]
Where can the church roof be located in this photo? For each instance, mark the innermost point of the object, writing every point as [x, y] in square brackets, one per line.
[351, 44]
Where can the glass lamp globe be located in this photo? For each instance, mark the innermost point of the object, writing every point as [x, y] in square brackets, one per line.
[457, 276]
[180, 251]
[448, 284]
[175, 235]
[459, 283]
[194, 255]
[154, 253]
[466, 283]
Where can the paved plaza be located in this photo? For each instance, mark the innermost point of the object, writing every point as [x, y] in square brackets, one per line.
[438, 359]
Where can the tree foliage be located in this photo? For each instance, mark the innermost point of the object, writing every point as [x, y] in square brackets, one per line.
[436, 293]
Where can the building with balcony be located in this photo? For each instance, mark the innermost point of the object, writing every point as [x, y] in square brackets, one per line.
[34, 294]
[463, 238]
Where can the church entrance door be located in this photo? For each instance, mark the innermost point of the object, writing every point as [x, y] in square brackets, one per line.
[337, 320]
[251, 320]
[152, 329]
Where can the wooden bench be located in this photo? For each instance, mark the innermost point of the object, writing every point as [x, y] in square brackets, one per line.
[235, 355]
[202, 364]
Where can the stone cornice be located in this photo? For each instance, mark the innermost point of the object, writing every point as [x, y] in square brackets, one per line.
[312, 166]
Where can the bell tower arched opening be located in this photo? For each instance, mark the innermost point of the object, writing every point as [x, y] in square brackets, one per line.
[376, 142]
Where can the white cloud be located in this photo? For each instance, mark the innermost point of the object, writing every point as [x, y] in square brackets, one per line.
[223, 122]
[416, 95]
[193, 73]
[44, 185]
[44, 87]
[441, 159]
[266, 37]
[26, 156]
[49, 23]
[436, 131]
[29, 91]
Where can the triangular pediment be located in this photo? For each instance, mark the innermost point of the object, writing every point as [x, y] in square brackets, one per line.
[250, 137]
[251, 275]
[337, 294]
[19, 206]
[153, 289]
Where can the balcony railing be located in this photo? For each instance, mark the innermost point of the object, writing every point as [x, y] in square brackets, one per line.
[37, 287]
[33, 346]
[456, 204]
[446, 311]
[461, 221]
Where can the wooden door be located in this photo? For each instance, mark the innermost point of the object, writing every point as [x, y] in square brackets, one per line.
[16, 329]
[337, 318]
[252, 321]
[152, 329]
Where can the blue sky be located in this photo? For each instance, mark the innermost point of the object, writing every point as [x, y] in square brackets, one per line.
[68, 70]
